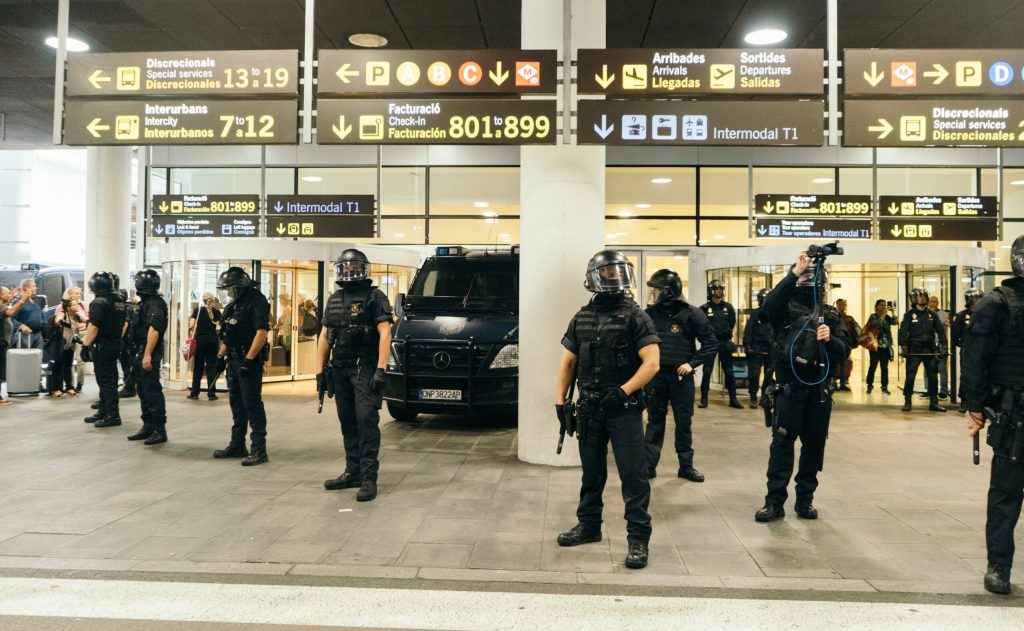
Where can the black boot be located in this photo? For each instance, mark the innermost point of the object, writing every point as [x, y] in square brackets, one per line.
[367, 491]
[126, 393]
[753, 402]
[735, 403]
[935, 407]
[636, 557]
[108, 421]
[703, 401]
[95, 405]
[963, 407]
[885, 391]
[346, 480]
[770, 512]
[997, 578]
[907, 406]
[142, 434]
[691, 474]
[652, 473]
[806, 511]
[258, 455]
[580, 534]
[231, 451]
[93, 418]
[158, 436]
[870, 388]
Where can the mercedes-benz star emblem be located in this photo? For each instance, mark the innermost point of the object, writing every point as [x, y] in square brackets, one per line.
[442, 360]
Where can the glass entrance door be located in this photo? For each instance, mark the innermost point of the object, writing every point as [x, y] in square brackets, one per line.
[293, 290]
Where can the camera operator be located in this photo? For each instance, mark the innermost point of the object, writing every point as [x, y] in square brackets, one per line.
[808, 354]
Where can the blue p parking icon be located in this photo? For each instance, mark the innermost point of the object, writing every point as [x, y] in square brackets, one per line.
[1000, 73]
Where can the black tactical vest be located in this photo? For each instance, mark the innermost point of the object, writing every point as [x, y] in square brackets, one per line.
[113, 324]
[677, 335]
[1008, 367]
[608, 355]
[138, 330]
[238, 326]
[349, 323]
[921, 338]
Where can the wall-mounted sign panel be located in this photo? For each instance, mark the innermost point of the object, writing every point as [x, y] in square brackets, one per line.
[924, 229]
[711, 71]
[368, 72]
[206, 204]
[185, 122]
[940, 123]
[743, 123]
[224, 226]
[937, 206]
[435, 122]
[176, 73]
[908, 72]
[813, 205]
[321, 226]
[342, 205]
[812, 228]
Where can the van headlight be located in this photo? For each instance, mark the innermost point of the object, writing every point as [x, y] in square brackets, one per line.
[507, 357]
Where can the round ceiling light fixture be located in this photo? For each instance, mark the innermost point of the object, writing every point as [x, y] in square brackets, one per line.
[765, 37]
[73, 45]
[367, 40]
[822, 180]
[661, 180]
[312, 178]
[1017, 183]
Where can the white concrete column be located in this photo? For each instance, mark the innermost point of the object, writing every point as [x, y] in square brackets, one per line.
[561, 227]
[108, 225]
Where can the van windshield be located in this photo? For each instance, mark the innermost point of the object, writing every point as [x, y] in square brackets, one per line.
[467, 283]
[12, 278]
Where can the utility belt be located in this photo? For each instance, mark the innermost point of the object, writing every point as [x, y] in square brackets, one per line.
[240, 352]
[1006, 413]
[590, 407]
[101, 345]
[770, 393]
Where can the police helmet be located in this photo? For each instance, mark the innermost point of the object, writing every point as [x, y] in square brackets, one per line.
[117, 281]
[609, 272]
[665, 287]
[714, 286]
[1017, 256]
[234, 281]
[761, 295]
[123, 293]
[147, 282]
[972, 296]
[102, 283]
[916, 293]
[351, 266]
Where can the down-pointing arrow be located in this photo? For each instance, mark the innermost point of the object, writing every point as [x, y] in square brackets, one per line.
[761, 230]
[278, 207]
[604, 130]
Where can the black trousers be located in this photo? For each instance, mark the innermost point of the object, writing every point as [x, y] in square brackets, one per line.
[60, 379]
[104, 363]
[358, 413]
[879, 359]
[755, 363]
[151, 393]
[626, 433]
[801, 415]
[127, 368]
[1005, 494]
[931, 372]
[205, 363]
[245, 395]
[665, 388]
[725, 357]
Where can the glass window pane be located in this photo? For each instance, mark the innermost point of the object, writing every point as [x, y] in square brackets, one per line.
[214, 181]
[726, 232]
[631, 191]
[480, 191]
[678, 262]
[724, 191]
[403, 189]
[854, 181]
[820, 181]
[915, 181]
[489, 231]
[280, 181]
[650, 231]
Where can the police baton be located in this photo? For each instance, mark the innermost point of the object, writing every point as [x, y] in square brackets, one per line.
[977, 448]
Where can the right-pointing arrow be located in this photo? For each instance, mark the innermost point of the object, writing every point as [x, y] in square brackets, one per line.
[604, 130]
[883, 130]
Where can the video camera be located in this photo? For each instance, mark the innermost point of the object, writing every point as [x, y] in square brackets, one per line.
[820, 252]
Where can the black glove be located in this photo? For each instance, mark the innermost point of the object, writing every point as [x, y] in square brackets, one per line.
[378, 380]
[563, 422]
[86, 354]
[904, 351]
[614, 400]
[321, 382]
[249, 367]
[221, 364]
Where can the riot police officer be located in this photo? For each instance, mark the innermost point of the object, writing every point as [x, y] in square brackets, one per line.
[958, 329]
[757, 343]
[356, 332]
[611, 348]
[680, 326]
[807, 355]
[146, 339]
[102, 345]
[128, 349]
[723, 320]
[922, 340]
[993, 363]
[245, 324]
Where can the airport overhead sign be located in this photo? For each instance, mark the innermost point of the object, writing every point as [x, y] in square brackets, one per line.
[812, 205]
[708, 123]
[182, 122]
[178, 73]
[435, 122]
[931, 229]
[320, 216]
[932, 72]
[693, 72]
[221, 226]
[938, 206]
[812, 228]
[938, 123]
[206, 204]
[370, 72]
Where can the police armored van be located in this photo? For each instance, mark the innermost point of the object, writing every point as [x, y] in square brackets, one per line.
[455, 347]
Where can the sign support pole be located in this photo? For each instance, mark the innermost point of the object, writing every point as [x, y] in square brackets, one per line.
[566, 72]
[999, 190]
[380, 186]
[307, 74]
[58, 76]
[833, 72]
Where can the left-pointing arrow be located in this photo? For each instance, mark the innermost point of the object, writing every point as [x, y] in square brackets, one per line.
[95, 127]
[344, 73]
[97, 79]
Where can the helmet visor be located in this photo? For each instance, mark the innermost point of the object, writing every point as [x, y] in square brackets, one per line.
[229, 293]
[614, 277]
[348, 271]
[656, 295]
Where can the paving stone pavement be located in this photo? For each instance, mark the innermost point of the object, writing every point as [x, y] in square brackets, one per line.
[901, 506]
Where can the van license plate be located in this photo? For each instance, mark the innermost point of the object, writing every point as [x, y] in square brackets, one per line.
[441, 395]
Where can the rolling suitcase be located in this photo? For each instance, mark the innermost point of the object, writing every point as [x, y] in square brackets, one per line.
[24, 368]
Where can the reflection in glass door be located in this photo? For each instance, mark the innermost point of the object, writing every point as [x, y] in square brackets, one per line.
[293, 290]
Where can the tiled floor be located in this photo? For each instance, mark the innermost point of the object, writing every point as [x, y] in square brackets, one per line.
[901, 505]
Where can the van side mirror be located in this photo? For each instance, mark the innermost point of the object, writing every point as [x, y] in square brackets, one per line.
[399, 304]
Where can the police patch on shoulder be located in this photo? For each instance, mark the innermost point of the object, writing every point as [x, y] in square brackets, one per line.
[675, 328]
[711, 311]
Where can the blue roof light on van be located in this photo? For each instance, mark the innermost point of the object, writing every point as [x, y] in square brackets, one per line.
[30, 267]
[451, 250]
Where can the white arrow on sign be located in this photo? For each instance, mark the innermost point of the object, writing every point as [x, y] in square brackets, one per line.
[278, 206]
[604, 130]
[761, 230]
[158, 229]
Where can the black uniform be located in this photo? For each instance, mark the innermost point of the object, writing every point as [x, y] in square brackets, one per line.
[351, 317]
[607, 336]
[800, 411]
[757, 343]
[680, 326]
[993, 367]
[128, 352]
[919, 332]
[723, 321]
[107, 313]
[151, 313]
[242, 318]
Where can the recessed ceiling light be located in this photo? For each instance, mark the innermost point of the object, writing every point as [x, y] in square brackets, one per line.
[765, 37]
[661, 180]
[489, 213]
[399, 235]
[480, 204]
[367, 40]
[719, 236]
[641, 205]
[822, 180]
[625, 214]
[1017, 183]
[73, 45]
[678, 257]
[312, 178]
